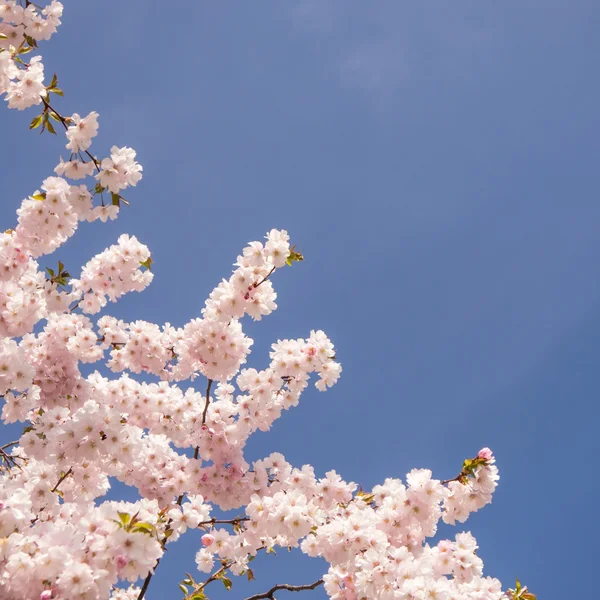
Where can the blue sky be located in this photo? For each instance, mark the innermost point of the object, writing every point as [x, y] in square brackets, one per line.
[437, 165]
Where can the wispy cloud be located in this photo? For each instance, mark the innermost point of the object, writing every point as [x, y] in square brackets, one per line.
[376, 66]
[379, 50]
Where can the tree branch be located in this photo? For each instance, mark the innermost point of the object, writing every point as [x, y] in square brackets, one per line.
[179, 502]
[210, 382]
[265, 278]
[65, 475]
[285, 586]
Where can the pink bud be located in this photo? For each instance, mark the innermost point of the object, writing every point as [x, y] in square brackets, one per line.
[486, 454]
[207, 540]
[46, 595]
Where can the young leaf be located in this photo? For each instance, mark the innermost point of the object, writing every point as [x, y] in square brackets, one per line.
[293, 257]
[147, 263]
[226, 582]
[36, 122]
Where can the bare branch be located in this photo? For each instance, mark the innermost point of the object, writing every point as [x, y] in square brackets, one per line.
[287, 587]
[210, 382]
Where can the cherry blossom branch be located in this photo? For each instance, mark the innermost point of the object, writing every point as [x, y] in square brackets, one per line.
[9, 445]
[285, 586]
[179, 502]
[469, 467]
[65, 124]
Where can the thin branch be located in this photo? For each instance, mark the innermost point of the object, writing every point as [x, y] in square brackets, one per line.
[65, 124]
[210, 382]
[457, 478]
[11, 461]
[285, 586]
[265, 278]
[64, 476]
[147, 581]
[216, 575]
[9, 445]
[224, 521]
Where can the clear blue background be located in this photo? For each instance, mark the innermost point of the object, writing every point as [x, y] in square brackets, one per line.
[437, 163]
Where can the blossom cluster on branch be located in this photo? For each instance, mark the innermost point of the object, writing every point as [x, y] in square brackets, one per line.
[58, 539]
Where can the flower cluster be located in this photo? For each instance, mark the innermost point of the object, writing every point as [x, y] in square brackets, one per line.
[113, 273]
[183, 450]
[20, 27]
[120, 170]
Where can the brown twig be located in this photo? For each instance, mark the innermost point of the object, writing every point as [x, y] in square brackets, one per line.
[285, 586]
[11, 461]
[63, 477]
[224, 521]
[207, 402]
[265, 278]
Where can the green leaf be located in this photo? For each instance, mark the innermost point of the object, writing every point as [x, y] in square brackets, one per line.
[293, 257]
[124, 518]
[50, 127]
[226, 582]
[115, 199]
[54, 81]
[250, 574]
[54, 116]
[39, 196]
[51, 271]
[98, 189]
[199, 596]
[30, 40]
[147, 263]
[3, 36]
[56, 91]
[60, 267]
[143, 527]
[36, 122]
[183, 589]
